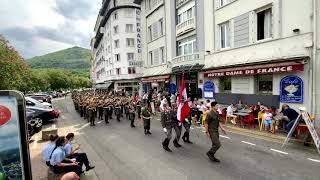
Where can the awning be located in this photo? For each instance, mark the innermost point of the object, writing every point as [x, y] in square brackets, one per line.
[104, 85]
[271, 68]
[155, 79]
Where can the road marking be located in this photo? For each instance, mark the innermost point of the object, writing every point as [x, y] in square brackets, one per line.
[282, 152]
[226, 137]
[245, 142]
[158, 119]
[85, 125]
[314, 160]
[100, 122]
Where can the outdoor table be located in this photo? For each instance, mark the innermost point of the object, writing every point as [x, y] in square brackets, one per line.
[244, 111]
[241, 114]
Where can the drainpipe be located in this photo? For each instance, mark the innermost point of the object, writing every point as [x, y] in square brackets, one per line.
[314, 56]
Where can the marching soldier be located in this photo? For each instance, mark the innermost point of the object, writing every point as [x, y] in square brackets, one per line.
[110, 108]
[132, 114]
[169, 122]
[106, 111]
[138, 105]
[81, 103]
[146, 119]
[126, 108]
[100, 109]
[91, 113]
[117, 110]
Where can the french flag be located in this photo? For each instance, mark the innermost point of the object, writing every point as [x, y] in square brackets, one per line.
[183, 104]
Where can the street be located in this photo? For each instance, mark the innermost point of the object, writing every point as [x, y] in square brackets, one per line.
[121, 152]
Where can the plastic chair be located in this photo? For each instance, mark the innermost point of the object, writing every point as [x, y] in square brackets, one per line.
[249, 120]
[261, 120]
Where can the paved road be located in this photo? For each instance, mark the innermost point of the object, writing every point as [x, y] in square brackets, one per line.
[121, 152]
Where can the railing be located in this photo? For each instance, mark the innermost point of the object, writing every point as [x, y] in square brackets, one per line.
[181, 2]
[186, 26]
[186, 58]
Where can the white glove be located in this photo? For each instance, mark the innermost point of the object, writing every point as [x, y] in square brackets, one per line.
[165, 130]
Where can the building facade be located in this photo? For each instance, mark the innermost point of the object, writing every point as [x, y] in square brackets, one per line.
[116, 48]
[263, 51]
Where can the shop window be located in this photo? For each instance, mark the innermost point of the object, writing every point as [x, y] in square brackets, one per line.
[225, 84]
[264, 84]
[264, 24]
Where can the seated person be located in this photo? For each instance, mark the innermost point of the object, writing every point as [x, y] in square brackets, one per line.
[70, 176]
[72, 153]
[256, 110]
[48, 149]
[230, 111]
[60, 163]
[291, 114]
[268, 120]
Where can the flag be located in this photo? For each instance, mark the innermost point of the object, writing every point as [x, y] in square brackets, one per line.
[183, 104]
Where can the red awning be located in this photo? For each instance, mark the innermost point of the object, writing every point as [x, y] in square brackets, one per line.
[155, 78]
[271, 68]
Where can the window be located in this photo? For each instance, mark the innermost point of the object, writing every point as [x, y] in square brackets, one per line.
[130, 42]
[131, 70]
[225, 35]
[116, 29]
[117, 57]
[115, 15]
[129, 28]
[225, 84]
[149, 33]
[187, 46]
[161, 27]
[264, 24]
[151, 57]
[118, 71]
[116, 44]
[186, 15]
[223, 2]
[162, 56]
[264, 84]
[130, 56]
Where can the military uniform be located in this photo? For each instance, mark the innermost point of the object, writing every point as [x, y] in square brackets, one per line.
[106, 112]
[169, 122]
[117, 111]
[146, 120]
[100, 110]
[131, 114]
[213, 119]
[91, 114]
[138, 105]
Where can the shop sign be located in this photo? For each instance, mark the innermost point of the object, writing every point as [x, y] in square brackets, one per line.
[208, 90]
[138, 19]
[136, 63]
[254, 71]
[291, 89]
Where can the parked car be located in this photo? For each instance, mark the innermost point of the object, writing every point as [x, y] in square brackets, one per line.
[52, 94]
[44, 113]
[41, 97]
[33, 102]
[34, 123]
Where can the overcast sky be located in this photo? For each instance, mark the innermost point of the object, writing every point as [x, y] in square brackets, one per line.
[37, 27]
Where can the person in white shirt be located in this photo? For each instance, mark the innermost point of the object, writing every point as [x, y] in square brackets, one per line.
[173, 98]
[208, 104]
[164, 102]
[230, 110]
[268, 120]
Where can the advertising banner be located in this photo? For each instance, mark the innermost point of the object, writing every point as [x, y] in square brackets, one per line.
[291, 89]
[208, 90]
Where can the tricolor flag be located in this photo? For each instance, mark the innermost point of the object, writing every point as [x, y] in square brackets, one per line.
[183, 105]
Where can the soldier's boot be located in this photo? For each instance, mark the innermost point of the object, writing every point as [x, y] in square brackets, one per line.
[187, 138]
[132, 124]
[145, 131]
[106, 119]
[176, 144]
[184, 137]
[165, 145]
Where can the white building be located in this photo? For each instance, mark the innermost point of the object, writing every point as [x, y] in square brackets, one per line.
[253, 45]
[116, 48]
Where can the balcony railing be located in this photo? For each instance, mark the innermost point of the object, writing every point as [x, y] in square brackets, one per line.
[186, 26]
[187, 58]
[180, 3]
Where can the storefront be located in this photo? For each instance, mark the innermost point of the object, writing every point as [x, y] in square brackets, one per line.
[130, 86]
[156, 83]
[269, 83]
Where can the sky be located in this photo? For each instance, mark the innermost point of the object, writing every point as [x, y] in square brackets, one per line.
[38, 27]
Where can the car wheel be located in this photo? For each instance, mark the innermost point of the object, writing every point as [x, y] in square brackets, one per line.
[38, 122]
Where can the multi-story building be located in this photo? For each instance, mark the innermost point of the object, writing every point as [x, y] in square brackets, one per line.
[116, 48]
[173, 44]
[263, 51]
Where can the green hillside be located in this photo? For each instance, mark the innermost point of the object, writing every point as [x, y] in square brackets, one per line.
[76, 59]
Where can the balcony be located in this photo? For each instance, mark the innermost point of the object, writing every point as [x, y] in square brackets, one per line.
[180, 3]
[195, 58]
[186, 26]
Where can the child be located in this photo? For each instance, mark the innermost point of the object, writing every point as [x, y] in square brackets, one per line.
[268, 120]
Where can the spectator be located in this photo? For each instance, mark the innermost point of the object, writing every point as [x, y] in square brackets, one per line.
[173, 98]
[208, 104]
[230, 110]
[70, 176]
[48, 149]
[268, 120]
[163, 104]
[291, 114]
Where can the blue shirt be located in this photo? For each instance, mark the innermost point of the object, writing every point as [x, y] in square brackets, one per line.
[58, 156]
[47, 150]
[68, 148]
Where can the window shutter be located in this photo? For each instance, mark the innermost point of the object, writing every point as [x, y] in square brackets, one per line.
[154, 31]
[156, 56]
[217, 5]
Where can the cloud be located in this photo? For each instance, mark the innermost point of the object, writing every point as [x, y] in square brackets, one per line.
[83, 8]
[48, 26]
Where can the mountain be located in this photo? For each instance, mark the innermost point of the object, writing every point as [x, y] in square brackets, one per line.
[75, 59]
